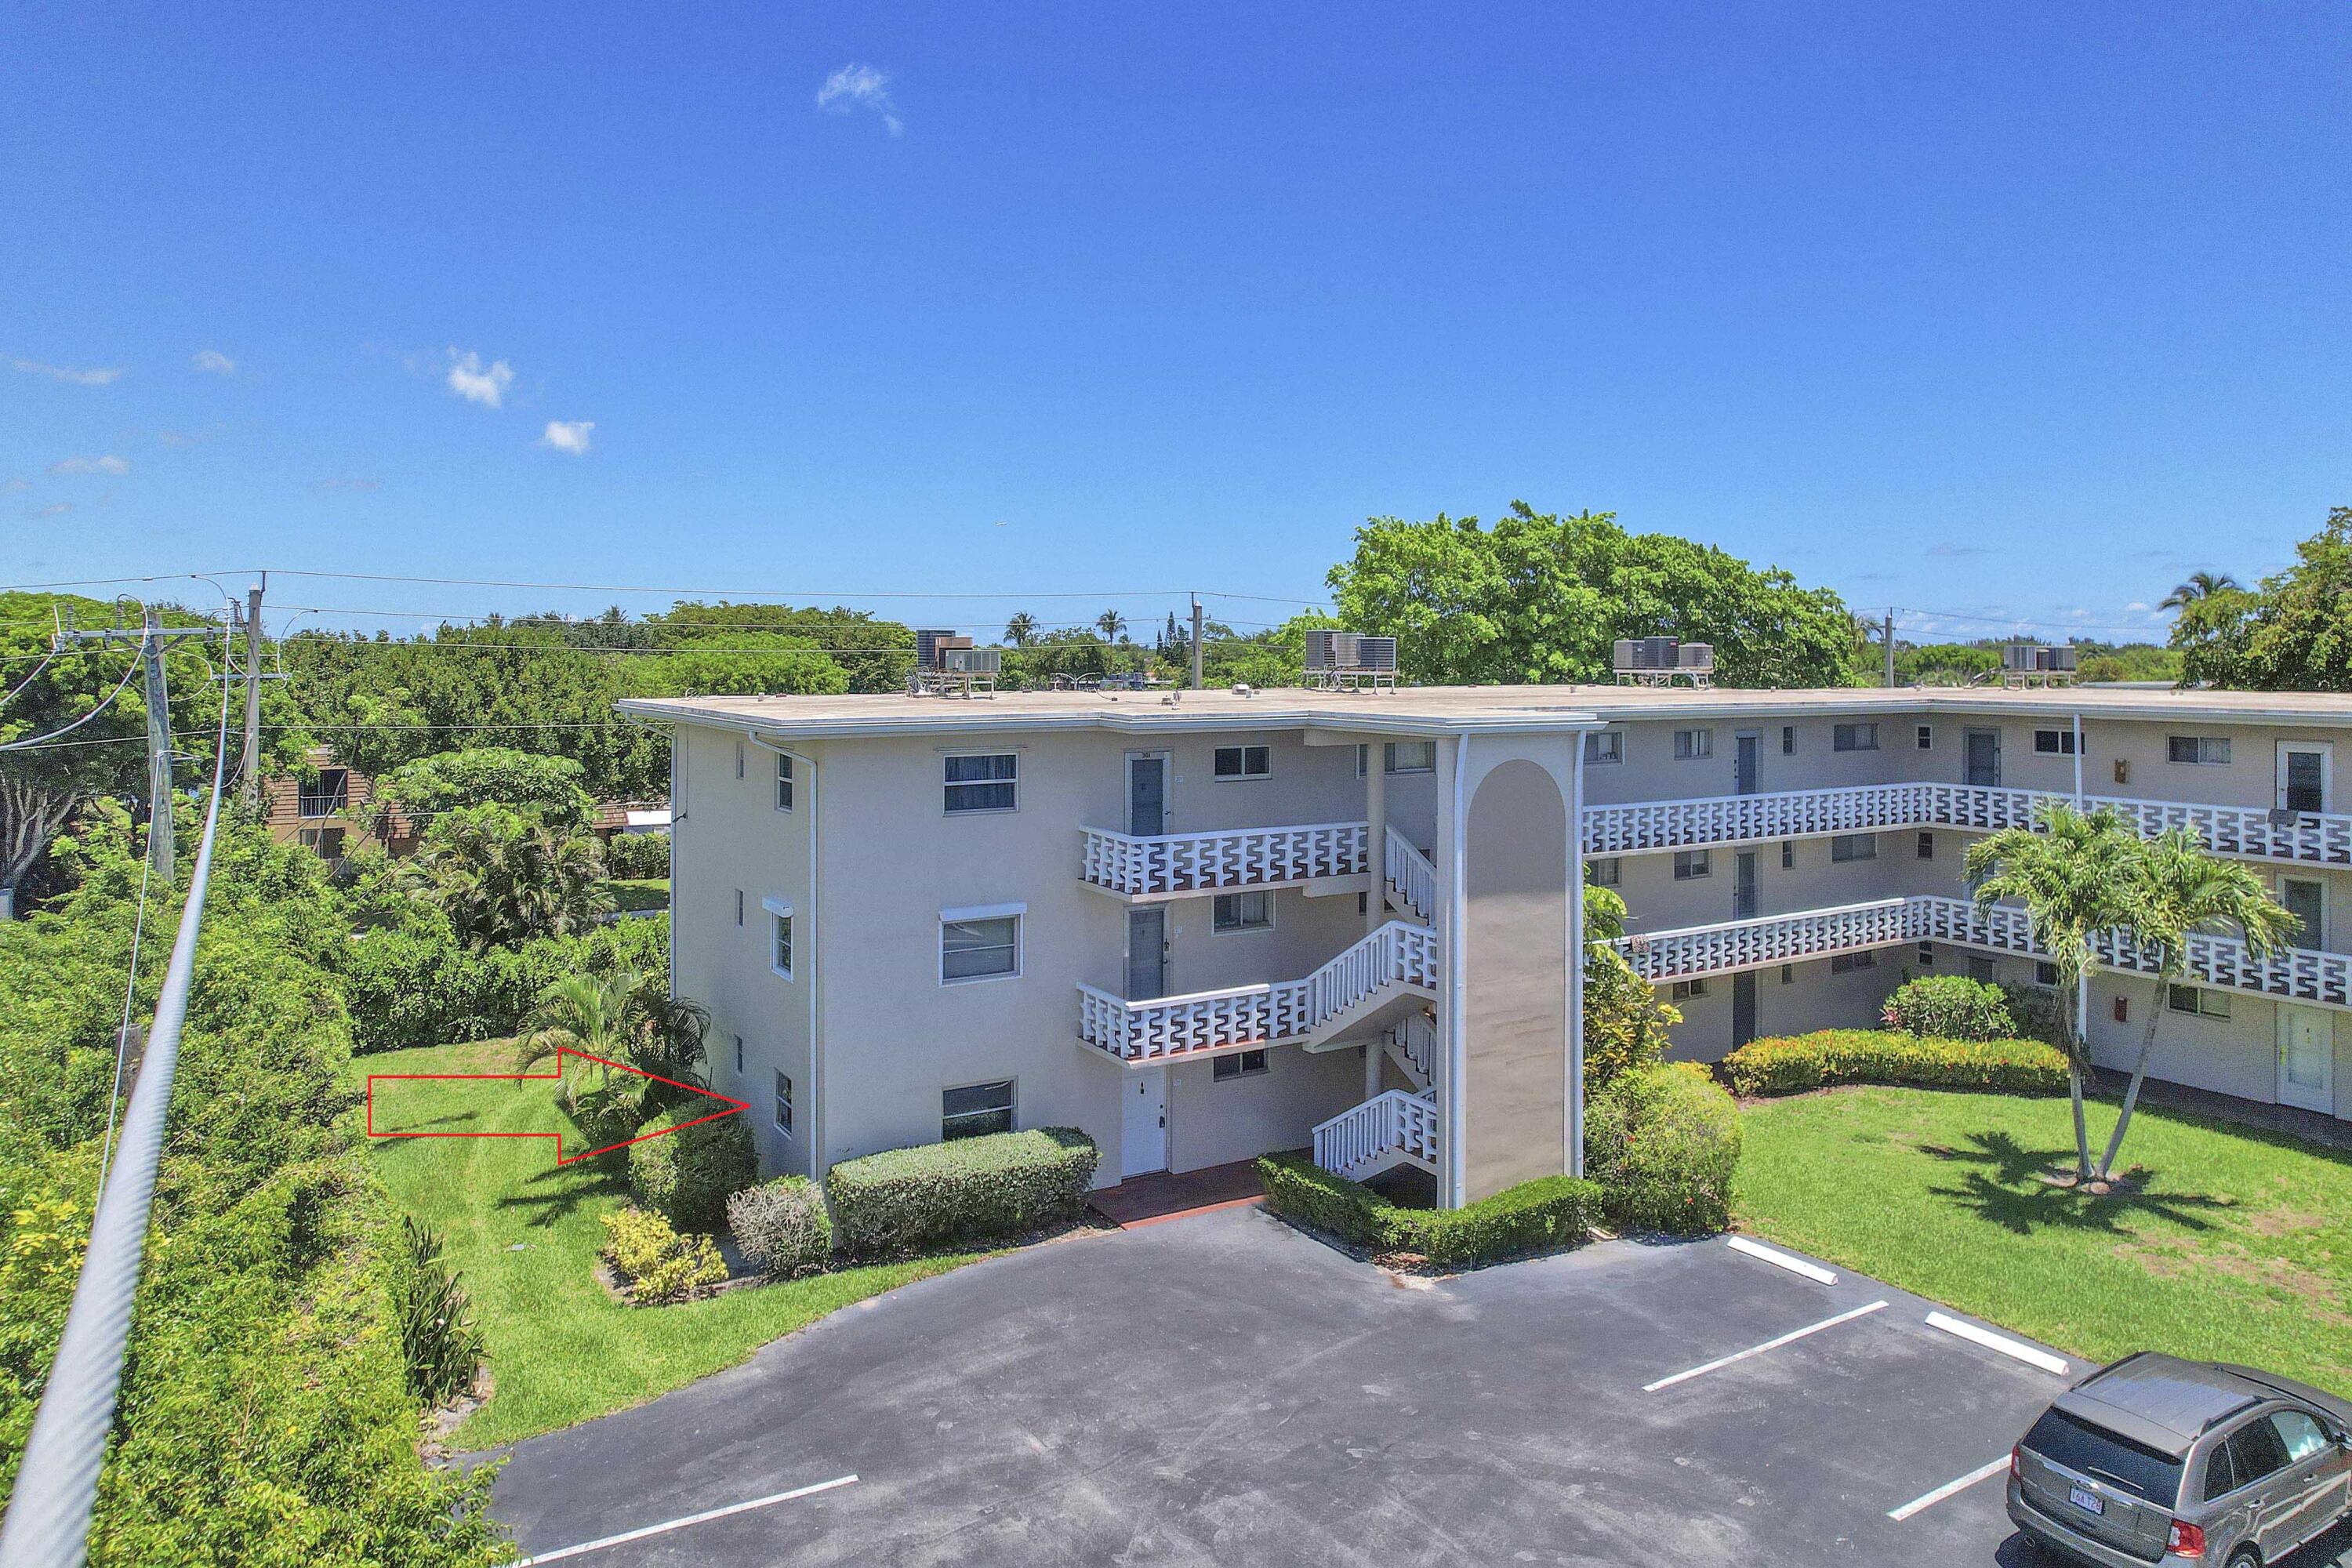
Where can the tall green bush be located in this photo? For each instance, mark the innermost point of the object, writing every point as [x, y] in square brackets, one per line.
[973, 1189]
[418, 985]
[688, 1175]
[638, 854]
[1950, 1007]
[1663, 1143]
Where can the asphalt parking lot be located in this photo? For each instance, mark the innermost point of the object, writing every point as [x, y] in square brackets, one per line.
[1222, 1389]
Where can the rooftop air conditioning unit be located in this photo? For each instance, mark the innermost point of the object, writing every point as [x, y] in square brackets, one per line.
[1662, 660]
[1337, 660]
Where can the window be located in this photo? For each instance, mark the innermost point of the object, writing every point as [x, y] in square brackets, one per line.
[976, 945]
[1847, 963]
[2197, 1001]
[1924, 738]
[1925, 846]
[1687, 989]
[739, 1055]
[1788, 854]
[1691, 864]
[784, 782]
[1409, 757]
[2054, 743]
[783, 1104]
[739, 759]
[331, 796]
[2066, 1438]
[1787, 974]
[1848, 847]
[1788, 740]
[739, 906]
[1244, 761]
[2045, 974]
[2256, 1451]
[982, 783]
[1854, 738]
[2302, 1434]
[1239, 1063]
[1604, 746]
[2212, 751]
[1927, 955]
[975, 1109]
[1981, 968]
[1692, 744]
[781, 958]
[1607, 872]
[2220, 1480]
[1242, 911]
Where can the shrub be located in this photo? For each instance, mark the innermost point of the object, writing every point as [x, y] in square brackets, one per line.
[660, 1264]
[1664, 1145]
[1795, 1063]
[782, 1226]
[419, 986]
[688, 1175]
[439, 1341]
[1546, 1213]
[1950, 1007]
[638, 854]
[972, 1189]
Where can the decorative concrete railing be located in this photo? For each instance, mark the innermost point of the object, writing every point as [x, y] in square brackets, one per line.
[1177, 863]
[1410, 875]
[1414, 1041]
[2251, 832]
[1695, 952]
[1396, 957]
[1390, 1129]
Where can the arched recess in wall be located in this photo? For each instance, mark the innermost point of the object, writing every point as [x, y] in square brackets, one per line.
[1515, 1008]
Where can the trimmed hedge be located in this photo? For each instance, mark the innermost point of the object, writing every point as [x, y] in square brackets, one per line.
[1548, 1213]
[782, 1226]
[1795, 1063]
[973, 1189]
[1950, 1007]
[1663, 1142]
[687, 1176]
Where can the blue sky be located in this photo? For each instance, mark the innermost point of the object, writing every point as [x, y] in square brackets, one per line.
[1993, 311]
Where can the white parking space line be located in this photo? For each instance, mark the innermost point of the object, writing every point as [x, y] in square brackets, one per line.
[1788, 1337]
[2017, 1349]
[586, 1547]
[1779, 1259]
[1949, 1488]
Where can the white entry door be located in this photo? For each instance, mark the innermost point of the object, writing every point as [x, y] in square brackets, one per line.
[1143, 1131]
[2306, 1071]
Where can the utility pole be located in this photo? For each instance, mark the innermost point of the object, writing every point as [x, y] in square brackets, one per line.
[159, 755]
[249, 760]
[1196, 642]
[1886, 634]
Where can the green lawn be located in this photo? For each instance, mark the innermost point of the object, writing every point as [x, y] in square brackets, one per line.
[640, 892]
[2237, 1247]
[526, 1236]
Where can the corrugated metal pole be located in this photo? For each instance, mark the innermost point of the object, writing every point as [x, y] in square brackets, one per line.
[162, 853]
[1196, 650]
[1888, 637]
[57, 1486]
[250, 759]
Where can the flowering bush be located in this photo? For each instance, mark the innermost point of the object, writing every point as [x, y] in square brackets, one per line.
[1950, 1007]
[1663, 1143]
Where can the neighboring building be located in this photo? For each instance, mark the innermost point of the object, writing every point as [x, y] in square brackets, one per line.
[1206, 927]
[331, 811]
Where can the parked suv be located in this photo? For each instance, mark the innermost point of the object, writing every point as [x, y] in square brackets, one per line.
[2155, 1457]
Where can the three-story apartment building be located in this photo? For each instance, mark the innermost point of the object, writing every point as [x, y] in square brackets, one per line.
[1205, 926]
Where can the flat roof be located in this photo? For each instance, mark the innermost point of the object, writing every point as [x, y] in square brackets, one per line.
[1448, 709]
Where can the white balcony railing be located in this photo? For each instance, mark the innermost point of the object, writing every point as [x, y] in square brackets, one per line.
[1397, 957]
[2293, 973]
[1408, 872]
[1387, 1130]
[2251, 832]
[1174, 864]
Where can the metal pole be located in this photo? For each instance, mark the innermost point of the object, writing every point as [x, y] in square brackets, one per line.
[47, 1524]
[1888, 637]
[160, 846]
[250, 759]
[1196, 642]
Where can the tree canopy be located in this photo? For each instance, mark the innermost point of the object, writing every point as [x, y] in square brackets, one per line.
[1540, 598]
[2293, 633]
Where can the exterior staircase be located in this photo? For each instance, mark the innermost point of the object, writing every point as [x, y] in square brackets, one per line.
[1385, 1131]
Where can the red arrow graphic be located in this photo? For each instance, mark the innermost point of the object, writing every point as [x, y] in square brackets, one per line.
[733, 1104]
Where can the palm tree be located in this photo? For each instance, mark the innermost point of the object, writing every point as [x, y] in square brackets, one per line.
[1111, 625]
[502, 881]
[1021, 629]
[619, 1017]
[2178, 888]
[2200, 585]
[2071, 870]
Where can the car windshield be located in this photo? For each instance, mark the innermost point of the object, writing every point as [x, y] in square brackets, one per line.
[2079, 1445]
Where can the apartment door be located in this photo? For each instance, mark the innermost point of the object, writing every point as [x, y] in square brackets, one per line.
[1143, 1129]
[1743, 1008]
[1743, 884]
[1147, 952]
[1983, 750]
[2305, 769]
[2306, 1071]
[1147, 793]
[1747, 754]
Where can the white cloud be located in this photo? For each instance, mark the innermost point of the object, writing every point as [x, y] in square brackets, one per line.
[2137, 608]
[109, 464]
[55, 509]
[215, 362]
[477, 383]
[568, 436]
[66, 373]
[860, 86]
[16, 484]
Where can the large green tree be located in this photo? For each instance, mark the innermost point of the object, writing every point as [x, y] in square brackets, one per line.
[2294, 633]
[1540, 597]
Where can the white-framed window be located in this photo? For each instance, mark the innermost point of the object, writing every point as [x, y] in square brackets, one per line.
[1236, 1064]
[1692, 864]
[784, 782]
[1787, 974]
[1925, 846]
[780, 942]
[1604, 746]
[2045, 974]
[975, 1109]
[1409, 757]
[1692, 744]
[2203, 1001]
[982, 781]
[1788, 740]
[2054, 743]
[979, 944]
[1847, 846]
[1604, 871]
[1983, 969]
[783, 1110]
[2211, 750]
[739, 759]
[1927, 955]
[1924, 738]
[1685, 989]
[1788, 854]
[1245, 762]
[1854, 738]
[1847, 963]
[1241, 911]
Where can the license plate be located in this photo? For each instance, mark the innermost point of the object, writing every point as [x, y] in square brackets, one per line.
[2089, 1503]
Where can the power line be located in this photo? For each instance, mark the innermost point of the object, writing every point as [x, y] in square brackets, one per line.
[759, 593]
[102, 707]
